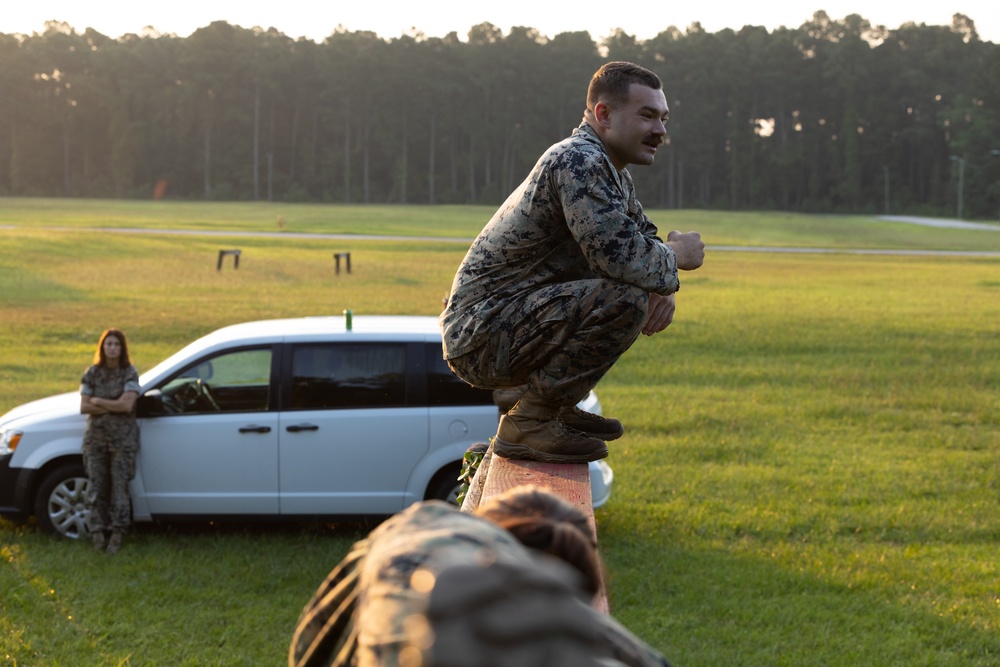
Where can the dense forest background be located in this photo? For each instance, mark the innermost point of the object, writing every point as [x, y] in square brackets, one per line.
[832, 116]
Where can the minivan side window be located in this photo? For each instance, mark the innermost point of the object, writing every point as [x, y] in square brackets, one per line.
[237, 381]
[348, 375]
[445, 388]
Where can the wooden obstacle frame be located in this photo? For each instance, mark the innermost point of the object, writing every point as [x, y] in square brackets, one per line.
[571, 481]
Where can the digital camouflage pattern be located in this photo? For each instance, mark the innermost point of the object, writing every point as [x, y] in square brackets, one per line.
[559, 340]
[509, 616]
[358, 614]
[433, 586]
[567, 262]
[110, 445]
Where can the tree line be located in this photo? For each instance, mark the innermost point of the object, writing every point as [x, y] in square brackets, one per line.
[832, 116]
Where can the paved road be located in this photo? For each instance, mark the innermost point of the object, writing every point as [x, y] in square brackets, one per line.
[941, 222]
[929, 222]
[856, 251]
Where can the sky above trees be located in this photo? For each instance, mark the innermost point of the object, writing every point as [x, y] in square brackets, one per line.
[643, 18]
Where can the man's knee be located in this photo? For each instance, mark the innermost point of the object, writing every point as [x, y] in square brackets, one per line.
[470, 368]
[601, 316]
[618, 307]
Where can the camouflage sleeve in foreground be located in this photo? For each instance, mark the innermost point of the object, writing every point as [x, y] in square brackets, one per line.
[436, 587]
[506, 615]
[363, 613]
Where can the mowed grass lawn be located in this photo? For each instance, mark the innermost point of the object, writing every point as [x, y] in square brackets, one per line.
[810, 473]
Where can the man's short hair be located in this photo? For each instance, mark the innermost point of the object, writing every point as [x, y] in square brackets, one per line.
[610, 84]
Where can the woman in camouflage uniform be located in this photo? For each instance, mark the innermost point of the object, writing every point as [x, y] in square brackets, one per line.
[108, 392]
[511, 586]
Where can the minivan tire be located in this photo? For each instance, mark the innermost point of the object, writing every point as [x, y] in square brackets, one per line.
[61, 502]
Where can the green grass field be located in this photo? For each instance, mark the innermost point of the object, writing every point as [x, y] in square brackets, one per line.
[810, 473]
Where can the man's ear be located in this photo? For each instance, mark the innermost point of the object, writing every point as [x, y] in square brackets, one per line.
[602, 114]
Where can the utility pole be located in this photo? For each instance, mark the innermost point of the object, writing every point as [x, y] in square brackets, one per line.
[885, 170]
[996, 152]
[961, 180]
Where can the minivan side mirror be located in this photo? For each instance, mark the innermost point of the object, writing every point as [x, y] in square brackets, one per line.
[150, 404]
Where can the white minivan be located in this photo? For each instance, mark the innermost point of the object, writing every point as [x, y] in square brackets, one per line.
[294, 419]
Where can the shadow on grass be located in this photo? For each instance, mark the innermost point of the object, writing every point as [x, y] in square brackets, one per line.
[354, 528]
[231, 589]
[728, 608]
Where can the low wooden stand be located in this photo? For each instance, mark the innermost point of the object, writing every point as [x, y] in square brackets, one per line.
[235, 254]
[337, 256]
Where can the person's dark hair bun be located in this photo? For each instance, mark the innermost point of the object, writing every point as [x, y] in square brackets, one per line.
[545, 522]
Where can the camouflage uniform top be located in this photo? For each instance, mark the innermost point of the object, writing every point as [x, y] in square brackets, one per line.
[575, 217]
[427, 588]
[110, 383]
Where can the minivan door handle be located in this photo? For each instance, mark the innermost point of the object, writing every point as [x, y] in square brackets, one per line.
[302, 427]
[255, 429]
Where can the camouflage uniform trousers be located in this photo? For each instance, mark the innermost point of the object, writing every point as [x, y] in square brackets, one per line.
[559, 340]
[109, 458]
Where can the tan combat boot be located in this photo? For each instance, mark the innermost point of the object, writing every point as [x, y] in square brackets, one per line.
[604, 428]
[115, 543]
[532, 431]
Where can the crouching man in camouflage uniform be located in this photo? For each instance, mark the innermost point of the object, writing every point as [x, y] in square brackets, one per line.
[567, 274]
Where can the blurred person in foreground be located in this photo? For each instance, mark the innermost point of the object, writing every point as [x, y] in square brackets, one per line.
[108, 392]
[509, 586]
[567, 274]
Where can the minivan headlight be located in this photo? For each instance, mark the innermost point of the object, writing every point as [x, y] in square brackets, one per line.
[8, 441]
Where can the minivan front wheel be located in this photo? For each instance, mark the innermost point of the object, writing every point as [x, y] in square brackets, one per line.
[61, 503]
[445, 485]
